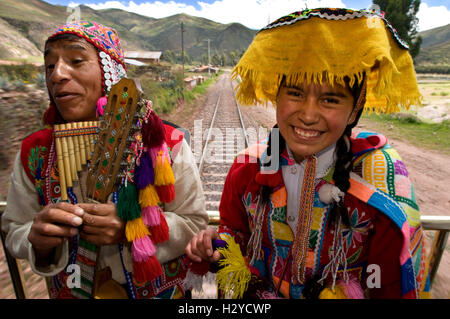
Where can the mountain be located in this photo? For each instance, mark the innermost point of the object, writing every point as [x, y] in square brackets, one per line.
[434, 55]
[25, 25]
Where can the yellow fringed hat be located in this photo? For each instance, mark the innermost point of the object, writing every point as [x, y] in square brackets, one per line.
[329, 44]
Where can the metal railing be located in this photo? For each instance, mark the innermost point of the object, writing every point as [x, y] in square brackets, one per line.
[440, 224]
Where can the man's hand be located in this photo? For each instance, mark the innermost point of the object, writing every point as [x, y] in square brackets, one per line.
[51, 226]
[101, 225]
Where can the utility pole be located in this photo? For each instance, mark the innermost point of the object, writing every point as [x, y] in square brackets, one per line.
[182, 46]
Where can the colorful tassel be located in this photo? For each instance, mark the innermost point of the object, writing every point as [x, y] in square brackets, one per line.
[233, 279]
[144, 174]
[160, 233]
[328, 293]
[151, 215]
[148, 196]
[153, 131]
[163, 170]
[352, 289]
[166, 193]
[127, 204]
[142, 249]
[147, 270]
[136, 229]
[101, 103]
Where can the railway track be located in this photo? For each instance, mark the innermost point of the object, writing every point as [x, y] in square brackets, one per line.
[225, 137]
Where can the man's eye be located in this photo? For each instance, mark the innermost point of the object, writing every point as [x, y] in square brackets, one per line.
[77, 61]
[50, 66]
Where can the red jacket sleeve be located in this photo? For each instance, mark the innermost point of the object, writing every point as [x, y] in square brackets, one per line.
[384, 251]
[233, 215]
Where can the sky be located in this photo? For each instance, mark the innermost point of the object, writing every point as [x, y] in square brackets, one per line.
[254, 14]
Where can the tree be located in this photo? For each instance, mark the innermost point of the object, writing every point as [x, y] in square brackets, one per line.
[402, 15]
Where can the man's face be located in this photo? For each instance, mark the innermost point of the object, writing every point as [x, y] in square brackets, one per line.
[74, 78]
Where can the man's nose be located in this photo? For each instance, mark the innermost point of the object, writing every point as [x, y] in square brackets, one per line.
[61, 72]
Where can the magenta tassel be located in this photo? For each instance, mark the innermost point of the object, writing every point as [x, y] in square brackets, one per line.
[353, 289]
[153, 152]
[101, 103]
[151, 215]
[142, 249]
[144, 173]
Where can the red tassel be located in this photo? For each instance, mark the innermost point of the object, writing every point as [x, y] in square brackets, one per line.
[147, 270]
[200, 268]
[166, 193]
[153, 132]
[160, 233]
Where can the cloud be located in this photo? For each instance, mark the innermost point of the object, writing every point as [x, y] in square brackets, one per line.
[432, 17]
[252, 14]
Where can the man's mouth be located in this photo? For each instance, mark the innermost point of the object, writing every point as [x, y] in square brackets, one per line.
[65, 96]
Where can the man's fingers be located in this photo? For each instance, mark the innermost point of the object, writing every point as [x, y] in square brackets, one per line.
[52, 230]
[69, 208]
[59, 216]
[98, 209]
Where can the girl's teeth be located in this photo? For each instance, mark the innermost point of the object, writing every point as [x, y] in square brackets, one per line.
[306, 133]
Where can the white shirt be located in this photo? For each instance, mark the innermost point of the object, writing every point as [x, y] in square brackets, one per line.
[293, 180]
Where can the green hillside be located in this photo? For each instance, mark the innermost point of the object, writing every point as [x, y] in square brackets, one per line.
[29, 22]
[434, 55]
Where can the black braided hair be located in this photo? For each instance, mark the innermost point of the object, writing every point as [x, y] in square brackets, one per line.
[267, 190]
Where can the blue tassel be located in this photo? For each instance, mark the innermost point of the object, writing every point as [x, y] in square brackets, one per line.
[144, 173]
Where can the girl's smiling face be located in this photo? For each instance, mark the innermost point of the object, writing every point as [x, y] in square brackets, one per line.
[74, 78]
[313, 117]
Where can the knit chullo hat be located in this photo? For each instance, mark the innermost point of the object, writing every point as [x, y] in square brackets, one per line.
[110, 54]
[329, 44]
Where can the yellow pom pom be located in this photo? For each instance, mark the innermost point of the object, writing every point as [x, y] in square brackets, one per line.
[163, 171]
[148, 197]
[328, 293]
[234, 277]
[136, 229]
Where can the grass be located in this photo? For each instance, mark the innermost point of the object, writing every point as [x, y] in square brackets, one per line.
[435, 136]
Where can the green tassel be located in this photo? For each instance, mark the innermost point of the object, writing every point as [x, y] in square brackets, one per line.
[128, 203]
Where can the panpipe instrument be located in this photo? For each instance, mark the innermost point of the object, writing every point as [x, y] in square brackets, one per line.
[100, 147]
[74, 148]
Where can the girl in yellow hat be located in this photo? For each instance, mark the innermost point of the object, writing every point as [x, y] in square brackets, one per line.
[317, 211]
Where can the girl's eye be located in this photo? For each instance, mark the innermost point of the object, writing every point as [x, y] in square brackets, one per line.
[330, 100]
[294, 93]
[50, 66]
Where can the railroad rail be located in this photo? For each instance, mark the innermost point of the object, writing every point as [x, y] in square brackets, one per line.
[226, 137]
